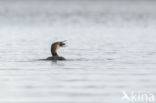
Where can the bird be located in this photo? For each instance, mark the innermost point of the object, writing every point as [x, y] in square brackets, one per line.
[54, 47]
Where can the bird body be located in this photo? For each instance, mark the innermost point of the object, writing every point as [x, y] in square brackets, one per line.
[56, 58]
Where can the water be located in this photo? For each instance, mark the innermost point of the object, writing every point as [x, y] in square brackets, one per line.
[110, 49]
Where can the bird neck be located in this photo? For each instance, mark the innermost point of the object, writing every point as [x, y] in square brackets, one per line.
[54, 52]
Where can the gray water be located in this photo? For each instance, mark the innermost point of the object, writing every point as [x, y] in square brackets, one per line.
[110, 49]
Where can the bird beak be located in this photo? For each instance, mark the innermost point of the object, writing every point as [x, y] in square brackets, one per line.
[62, 44]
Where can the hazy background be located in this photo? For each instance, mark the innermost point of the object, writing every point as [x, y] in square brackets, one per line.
[110, 49]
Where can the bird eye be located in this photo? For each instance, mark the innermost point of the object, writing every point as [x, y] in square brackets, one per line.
[61, 44]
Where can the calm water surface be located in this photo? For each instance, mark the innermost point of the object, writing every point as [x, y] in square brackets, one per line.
[110, 49]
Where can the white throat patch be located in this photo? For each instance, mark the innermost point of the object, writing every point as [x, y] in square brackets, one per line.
[57, 47]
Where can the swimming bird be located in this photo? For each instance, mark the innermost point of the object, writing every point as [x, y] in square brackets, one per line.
[54, 47]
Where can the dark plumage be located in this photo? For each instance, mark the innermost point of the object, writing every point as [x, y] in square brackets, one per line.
[54, 47]
[56, 58]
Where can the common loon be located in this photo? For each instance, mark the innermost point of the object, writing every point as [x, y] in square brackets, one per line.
[54, 47]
